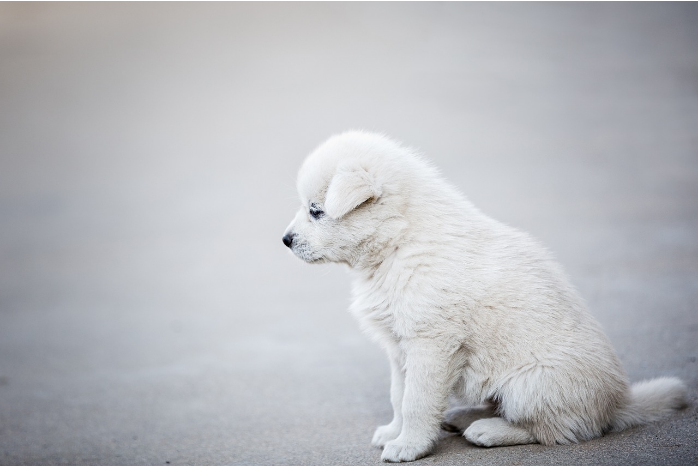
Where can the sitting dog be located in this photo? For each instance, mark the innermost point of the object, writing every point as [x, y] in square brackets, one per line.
[465, 307]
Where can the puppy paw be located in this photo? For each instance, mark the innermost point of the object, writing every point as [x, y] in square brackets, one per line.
[497, 432]
[385, 434]
[397, 451]
[480, 434]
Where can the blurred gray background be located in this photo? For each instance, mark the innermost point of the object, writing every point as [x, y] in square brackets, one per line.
[149, 313]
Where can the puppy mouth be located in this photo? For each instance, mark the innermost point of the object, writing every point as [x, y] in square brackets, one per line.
[305, 256]
[316, 260]
[311, 259]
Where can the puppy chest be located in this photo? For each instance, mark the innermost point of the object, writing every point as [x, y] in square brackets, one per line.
[374, 315]
[388, 317]
[399, 308]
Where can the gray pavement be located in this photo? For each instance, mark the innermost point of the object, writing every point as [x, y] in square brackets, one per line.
[149, 313]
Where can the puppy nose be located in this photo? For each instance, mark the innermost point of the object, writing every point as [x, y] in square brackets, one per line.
[288, 239]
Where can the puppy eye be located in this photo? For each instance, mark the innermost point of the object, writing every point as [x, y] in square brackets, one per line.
[315, 212]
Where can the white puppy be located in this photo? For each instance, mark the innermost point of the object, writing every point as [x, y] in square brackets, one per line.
[465, 307]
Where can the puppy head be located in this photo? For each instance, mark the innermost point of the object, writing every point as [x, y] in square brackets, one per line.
[346, 211]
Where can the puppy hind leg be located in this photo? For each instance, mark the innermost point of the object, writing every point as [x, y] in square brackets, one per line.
[497, 432]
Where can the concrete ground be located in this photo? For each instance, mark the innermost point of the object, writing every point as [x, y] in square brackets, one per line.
[149, 313]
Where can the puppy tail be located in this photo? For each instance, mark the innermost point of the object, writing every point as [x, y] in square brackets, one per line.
[651, 400]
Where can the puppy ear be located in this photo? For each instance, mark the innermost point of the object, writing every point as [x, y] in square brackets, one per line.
[350, 187]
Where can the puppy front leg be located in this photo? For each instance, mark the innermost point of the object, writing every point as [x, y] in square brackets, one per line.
[397, 386]
[424, 401]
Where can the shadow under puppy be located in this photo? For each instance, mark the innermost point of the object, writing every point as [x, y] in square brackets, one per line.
[465, 307]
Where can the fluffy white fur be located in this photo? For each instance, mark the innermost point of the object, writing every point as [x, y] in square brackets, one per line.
[465, 307]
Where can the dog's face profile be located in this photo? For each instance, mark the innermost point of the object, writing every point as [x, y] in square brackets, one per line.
[336, 218]
[345, 213]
